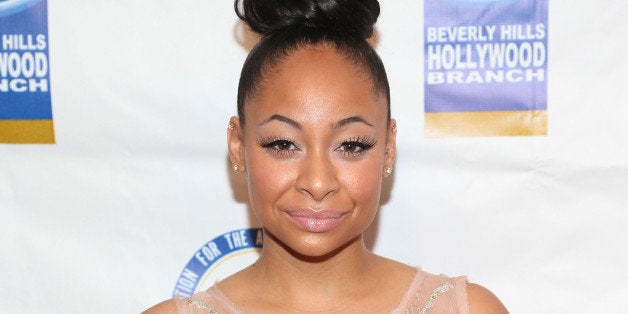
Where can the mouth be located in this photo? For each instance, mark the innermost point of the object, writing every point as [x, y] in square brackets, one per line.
[316, 221]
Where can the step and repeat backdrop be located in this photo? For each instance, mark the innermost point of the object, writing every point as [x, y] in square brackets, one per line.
[116, 190]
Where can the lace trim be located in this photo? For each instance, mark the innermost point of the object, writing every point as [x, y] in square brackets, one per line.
[201, 305]
[430, 301]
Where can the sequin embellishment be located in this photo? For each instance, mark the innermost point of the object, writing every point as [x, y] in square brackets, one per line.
[430, 301]
[201, 305]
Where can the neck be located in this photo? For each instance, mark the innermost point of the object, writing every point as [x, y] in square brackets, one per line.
[303, 278]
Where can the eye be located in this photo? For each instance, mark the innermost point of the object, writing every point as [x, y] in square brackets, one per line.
[281, 145]
[356, 147]
[278, 146]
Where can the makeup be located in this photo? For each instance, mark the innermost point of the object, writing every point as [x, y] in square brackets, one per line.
[316, 220]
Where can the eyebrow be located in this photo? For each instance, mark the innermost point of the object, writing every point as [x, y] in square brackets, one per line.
[350, 120]
[339, 124]
[281, 118]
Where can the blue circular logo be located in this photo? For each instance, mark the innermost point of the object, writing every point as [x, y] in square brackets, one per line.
[219, 258]
[479, 3]
[10, 7]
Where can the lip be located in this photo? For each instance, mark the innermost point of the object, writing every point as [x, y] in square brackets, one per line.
[316, 221]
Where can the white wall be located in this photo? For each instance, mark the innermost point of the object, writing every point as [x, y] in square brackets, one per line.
[104, 221]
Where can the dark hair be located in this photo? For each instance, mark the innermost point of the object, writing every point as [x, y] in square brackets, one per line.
[287, 25]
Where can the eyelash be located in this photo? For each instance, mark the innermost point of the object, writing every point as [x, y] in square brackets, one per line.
[362, 144]
[286, 147]
[272, 144]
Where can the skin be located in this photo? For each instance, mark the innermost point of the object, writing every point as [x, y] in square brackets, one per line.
[317, 137]
[320, 165]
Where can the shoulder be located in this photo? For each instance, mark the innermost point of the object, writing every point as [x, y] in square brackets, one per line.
[469, 297]
[165, 307]
[482, 300]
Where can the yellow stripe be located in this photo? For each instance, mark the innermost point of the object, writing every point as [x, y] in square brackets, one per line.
[488, 123]
[27, 132]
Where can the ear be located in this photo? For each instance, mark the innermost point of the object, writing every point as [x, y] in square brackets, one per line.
[391, 147]
[235, 142]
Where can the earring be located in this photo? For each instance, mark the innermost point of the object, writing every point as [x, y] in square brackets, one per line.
[230, 127]
[236, 168]
[388, 171]
[394, 128]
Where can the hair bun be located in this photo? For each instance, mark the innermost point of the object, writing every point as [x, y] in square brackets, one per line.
[348, 16]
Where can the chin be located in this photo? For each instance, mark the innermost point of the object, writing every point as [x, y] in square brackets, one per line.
[314, 247]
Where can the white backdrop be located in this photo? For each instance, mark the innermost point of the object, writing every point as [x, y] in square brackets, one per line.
[104, 221]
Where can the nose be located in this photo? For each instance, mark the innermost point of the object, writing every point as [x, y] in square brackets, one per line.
[317, 176]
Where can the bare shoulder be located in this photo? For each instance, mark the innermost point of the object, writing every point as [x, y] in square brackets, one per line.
[165, 307]
[483, 301]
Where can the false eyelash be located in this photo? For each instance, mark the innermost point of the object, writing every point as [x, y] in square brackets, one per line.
[266, 142]
[364, 143]
[367, 142]
[269, 144]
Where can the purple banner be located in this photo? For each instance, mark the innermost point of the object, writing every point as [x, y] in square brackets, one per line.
[485, 55]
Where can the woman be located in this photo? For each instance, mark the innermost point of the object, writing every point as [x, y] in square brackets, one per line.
[315, 140]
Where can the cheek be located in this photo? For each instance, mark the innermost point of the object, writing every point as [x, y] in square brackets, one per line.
[363, 181]
[268, 179]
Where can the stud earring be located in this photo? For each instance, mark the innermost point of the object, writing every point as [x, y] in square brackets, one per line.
[388, 171]
[236, 168]
[393, 128]
[230, 127]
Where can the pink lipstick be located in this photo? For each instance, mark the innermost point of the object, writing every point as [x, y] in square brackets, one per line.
[317, 221]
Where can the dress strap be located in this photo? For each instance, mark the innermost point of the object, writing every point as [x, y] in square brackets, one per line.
[200, 305]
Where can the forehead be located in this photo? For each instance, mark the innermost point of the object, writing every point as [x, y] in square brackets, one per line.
[314, 83]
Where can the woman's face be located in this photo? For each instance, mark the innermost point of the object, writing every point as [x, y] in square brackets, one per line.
[314, 148]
